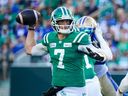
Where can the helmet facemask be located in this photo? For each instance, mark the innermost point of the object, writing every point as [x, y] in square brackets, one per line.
[88, 30]
[62, 14]
[64, 29]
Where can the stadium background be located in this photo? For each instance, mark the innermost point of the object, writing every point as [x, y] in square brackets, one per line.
[17, 69]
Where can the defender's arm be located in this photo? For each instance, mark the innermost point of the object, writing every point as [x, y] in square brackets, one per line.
[103, 44]
[93, 52]
[123, 87]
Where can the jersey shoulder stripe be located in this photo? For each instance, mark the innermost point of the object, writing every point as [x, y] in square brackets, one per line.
[47, 41]
[78, 36]
[81, 37]
[45, 38]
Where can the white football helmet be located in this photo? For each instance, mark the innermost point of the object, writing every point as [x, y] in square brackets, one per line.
[86, 24]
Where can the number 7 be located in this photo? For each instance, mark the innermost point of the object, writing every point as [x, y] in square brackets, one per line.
[61, 52]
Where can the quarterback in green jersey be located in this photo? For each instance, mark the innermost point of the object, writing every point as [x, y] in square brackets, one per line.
[67, 49]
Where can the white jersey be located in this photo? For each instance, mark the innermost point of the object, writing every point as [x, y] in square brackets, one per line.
[93, 91]
[72, 91]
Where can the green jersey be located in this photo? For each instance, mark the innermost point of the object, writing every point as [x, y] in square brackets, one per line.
[68, 69]
[89, 67]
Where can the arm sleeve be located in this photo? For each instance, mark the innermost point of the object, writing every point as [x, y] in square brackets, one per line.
[39, 50]
[103, 44]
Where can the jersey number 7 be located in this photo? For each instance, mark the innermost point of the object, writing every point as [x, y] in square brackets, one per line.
[61, 52]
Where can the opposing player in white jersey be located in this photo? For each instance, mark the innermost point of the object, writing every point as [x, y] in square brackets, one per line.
[88, 25]
[108, 89]
[123, 87]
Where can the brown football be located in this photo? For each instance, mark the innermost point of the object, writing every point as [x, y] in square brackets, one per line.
[28, 17]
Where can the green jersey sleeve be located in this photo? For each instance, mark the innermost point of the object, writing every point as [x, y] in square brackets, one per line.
[45, 40]
[86, 39]
[82, 38]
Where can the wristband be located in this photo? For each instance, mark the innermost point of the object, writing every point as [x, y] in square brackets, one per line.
[31, 28]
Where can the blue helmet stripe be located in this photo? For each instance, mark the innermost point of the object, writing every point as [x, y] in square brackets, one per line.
[83, 20]
[80, 21]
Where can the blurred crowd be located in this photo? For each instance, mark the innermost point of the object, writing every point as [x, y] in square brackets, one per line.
[112, 16]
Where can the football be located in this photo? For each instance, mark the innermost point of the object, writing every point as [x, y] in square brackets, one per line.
[28, 17]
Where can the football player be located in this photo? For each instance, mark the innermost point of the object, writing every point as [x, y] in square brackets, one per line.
[123, 87]
[89, 25]
[67, 49]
